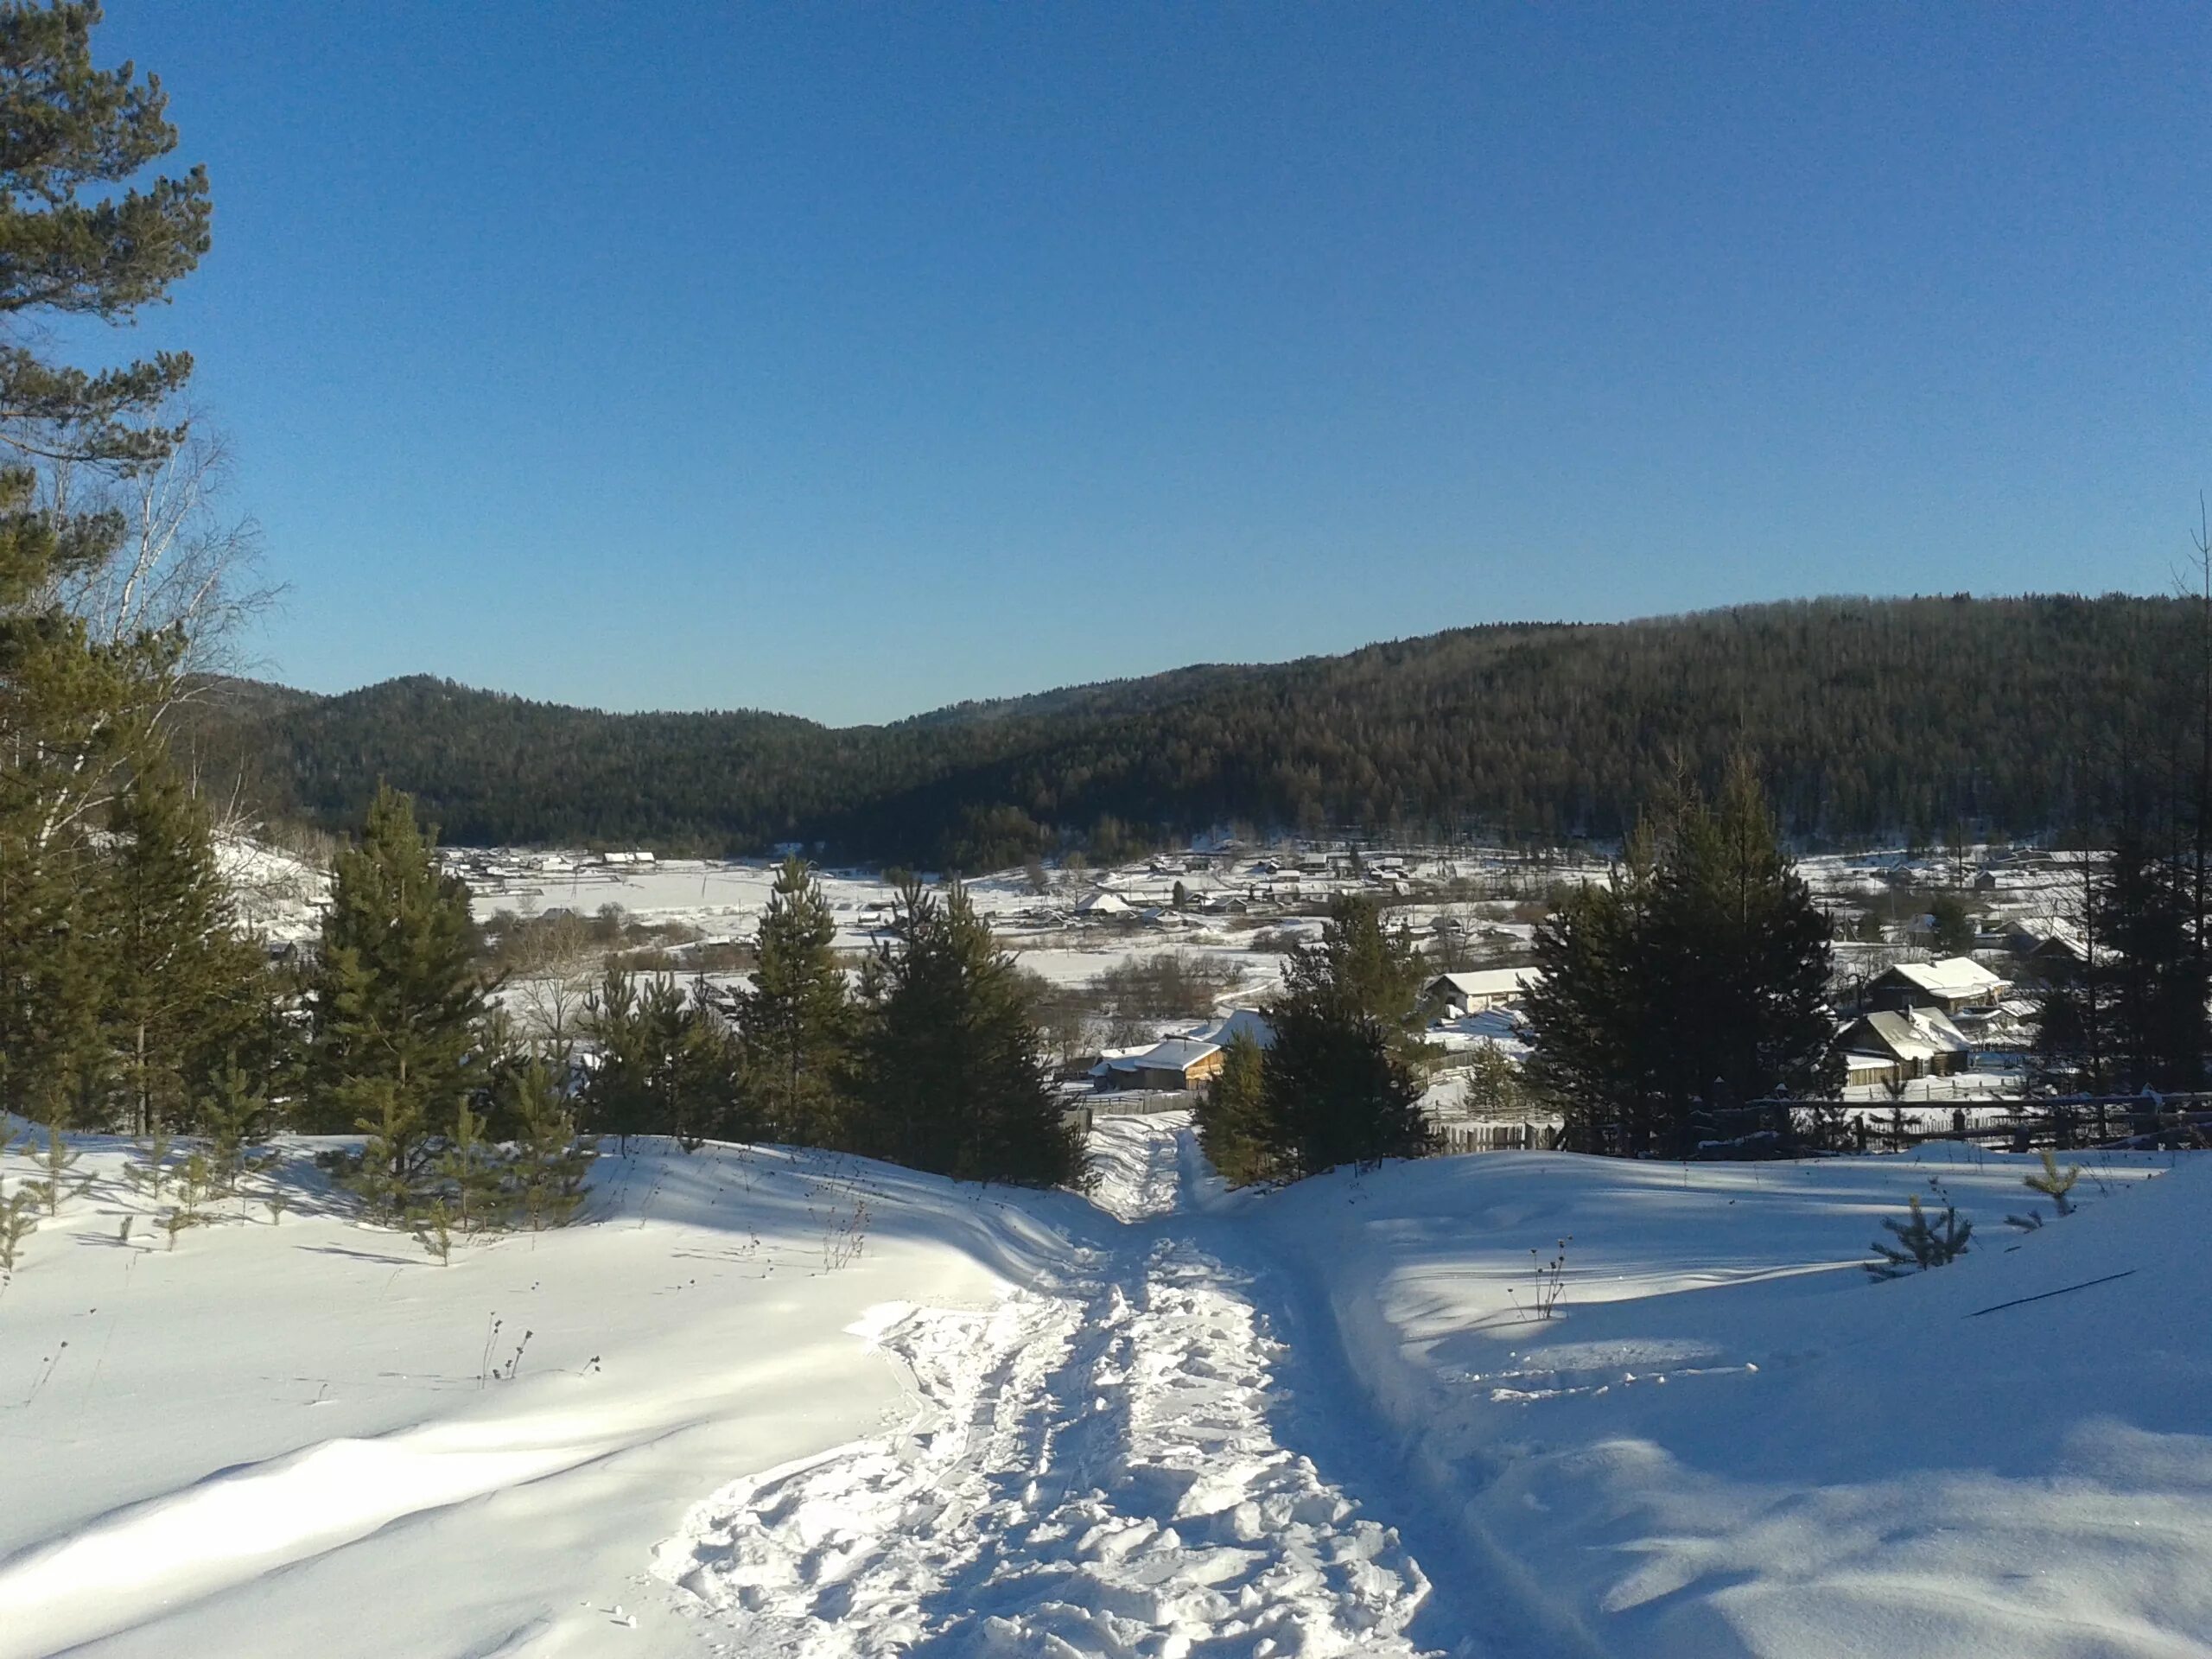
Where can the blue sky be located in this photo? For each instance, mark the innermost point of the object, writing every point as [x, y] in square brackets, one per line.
[850, 360]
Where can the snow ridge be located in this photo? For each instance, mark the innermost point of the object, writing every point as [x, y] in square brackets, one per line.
[1091, 1473]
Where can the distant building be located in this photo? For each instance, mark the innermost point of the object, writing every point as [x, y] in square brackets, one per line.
[1460, 994]
[2052, 954]
[1237, 1022]
[1180, 1062]
[1947, 986]
[1911, 1042]
[1102, 902]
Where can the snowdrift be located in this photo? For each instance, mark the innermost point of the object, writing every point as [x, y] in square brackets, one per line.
[765, 1402]
[1730, 1440]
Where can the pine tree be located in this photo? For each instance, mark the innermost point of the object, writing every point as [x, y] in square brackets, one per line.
[797, 1028]
[953, 1078]
[1696, 979]
[695, 1077]
[1921, 1244]
[2054, 1183]
[2135, 1014]
[662, 1063]
[2153, 976]
[471, 1174]
[77, 237]
[1231, 1116]
[2072, 1047]
[1339, 1079]
[186, 996]
[396, 998]
[1593, 1007]
[549, 1158]
[617, 1096]
[231, 1113]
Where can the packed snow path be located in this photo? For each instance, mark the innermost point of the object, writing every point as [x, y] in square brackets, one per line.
[1091, 1468]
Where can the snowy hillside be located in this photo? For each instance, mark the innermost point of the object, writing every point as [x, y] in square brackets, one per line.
[772, 1404]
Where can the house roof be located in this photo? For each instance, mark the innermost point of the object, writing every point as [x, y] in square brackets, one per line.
[1092, 904]
[1176, 1054]
[1488, 982]
[1913, 1034]
[1952, 977]
[1237, 1022]
[1118, 1059]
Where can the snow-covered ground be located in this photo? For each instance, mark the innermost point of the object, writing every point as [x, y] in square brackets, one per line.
[785, 1404]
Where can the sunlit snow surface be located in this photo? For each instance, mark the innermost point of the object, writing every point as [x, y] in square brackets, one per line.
[789, 1404]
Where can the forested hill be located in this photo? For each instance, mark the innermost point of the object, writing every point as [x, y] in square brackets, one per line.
[1869, 717]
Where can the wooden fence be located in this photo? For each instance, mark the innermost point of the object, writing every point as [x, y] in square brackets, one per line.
[1453, 1139]
[2026, 1126]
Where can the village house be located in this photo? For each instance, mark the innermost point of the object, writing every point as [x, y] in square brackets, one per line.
[1898, 1044]
[1180, 1062]
[1947, 986]
[1461, 995]
[1234, 1023]
[2052, 954]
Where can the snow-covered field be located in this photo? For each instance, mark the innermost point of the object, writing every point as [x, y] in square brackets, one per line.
[785, 1404]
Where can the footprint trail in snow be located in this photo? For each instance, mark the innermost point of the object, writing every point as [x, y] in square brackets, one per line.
[1087, 1473]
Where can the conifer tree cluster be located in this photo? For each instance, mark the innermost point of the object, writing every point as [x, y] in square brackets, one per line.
[1696, 979]
[798, 1028]
[126, 1000]
[465, 1129]
[934, 1059]
[952, 1075]
[1340, 1080]
[2132, 1015]
[396, 1003]
[662, 1063]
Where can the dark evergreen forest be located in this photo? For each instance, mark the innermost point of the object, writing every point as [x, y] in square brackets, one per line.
[1866, 718]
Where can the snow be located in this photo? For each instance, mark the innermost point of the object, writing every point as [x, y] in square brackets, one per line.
[1732, 1442]
[788, 1404]
[276, 894]
[1491, 984]
[1950, 977]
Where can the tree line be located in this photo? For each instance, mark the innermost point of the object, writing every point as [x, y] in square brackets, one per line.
[1340, 1078]
[125, 995]
[1867, 719]
[1695, 979]
[932, 1060]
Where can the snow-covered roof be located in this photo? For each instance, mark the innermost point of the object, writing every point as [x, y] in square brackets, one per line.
[1916, 1034]
[1119, 1059]
[1237, 1022]
[1101, 903]
[1487, 982]
[1952, 977]
[1176, 1054]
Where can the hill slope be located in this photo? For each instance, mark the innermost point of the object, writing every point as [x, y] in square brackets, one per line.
[1869, 717]
[1314, 1420]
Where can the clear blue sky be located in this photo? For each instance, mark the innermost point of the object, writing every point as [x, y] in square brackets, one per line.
[851, 359]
